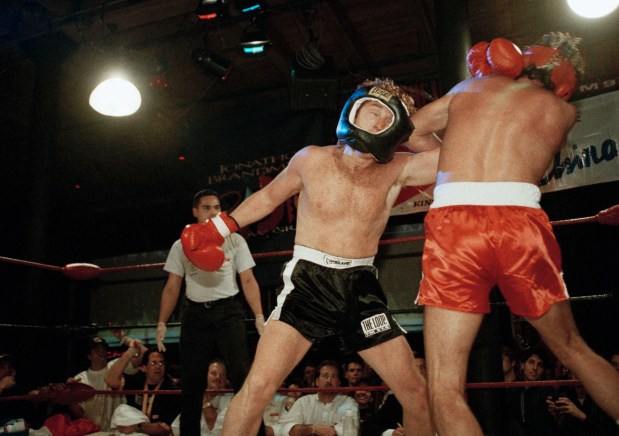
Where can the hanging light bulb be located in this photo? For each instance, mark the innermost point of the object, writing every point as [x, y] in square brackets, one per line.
[115, 97]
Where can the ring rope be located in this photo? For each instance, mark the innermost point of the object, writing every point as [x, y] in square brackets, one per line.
[342, 389]
[85, 271]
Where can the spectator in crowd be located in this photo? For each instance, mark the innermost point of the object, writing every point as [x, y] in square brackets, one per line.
[527, 411]
[577, 414]
[309, 374]
[353, 370]
[10, 387]
[101, 407]
[159, 409]
[320, 413]
[365, 401]
[214, 405]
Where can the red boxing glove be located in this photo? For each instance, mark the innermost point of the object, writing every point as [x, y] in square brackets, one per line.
[201, 242]
[505, 58]
[477, 61]
[562, 72]
[564, 78]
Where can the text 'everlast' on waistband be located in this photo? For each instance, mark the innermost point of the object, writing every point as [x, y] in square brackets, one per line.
[328, 260]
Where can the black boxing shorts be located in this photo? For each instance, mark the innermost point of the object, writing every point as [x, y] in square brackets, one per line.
[326, 295]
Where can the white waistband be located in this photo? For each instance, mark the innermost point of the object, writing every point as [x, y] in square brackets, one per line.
[325, 259]
[487, 194]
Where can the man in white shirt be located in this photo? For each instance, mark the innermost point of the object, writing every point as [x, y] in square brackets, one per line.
[100, 407]
[321, 413]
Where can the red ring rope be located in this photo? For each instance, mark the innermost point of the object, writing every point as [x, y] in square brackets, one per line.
[477, 385]
[87, 271]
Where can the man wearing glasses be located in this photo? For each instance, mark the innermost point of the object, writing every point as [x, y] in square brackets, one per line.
[159, 409]
[213, 317]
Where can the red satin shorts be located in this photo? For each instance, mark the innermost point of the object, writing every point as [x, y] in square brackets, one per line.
[469, 249]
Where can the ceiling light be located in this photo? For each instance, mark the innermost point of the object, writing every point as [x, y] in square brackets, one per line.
[593, 9]
[115, 97]
[211, 9]
[253, 40]
[249, 6]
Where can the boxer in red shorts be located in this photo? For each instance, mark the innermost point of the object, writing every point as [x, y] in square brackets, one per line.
[485, 245]
[500, 132]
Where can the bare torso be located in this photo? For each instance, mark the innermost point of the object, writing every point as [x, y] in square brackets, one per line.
[345, 197]
[508, 133]
[345, 202]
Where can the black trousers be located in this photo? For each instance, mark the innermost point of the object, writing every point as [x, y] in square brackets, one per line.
[206, 333]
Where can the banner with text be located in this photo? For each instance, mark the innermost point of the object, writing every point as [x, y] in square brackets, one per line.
[590, 155]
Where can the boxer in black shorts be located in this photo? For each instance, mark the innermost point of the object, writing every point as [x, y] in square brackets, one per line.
[326, 295]
[345, 196]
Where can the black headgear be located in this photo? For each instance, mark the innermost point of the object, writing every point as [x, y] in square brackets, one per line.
[381, 145]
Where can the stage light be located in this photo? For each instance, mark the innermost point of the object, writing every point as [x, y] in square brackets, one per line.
[213, 64]
[115, 97]
[593, 9]
[211, 9]
[254, 40]
[249, 6]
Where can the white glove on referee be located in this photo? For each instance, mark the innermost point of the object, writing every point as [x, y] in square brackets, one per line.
[260, 323]
[160, 336]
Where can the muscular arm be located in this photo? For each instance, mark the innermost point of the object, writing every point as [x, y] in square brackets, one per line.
[421, 169]
[261, 203]
[169, 296]
[429, 121]
[251, 290]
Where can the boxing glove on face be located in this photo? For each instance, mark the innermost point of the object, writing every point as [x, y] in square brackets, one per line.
[505, 58]
[202, 242]
[477, 61]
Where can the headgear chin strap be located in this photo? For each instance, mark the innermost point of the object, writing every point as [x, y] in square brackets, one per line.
[381, 145]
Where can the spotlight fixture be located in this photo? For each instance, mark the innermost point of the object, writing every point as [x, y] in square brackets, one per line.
[250, 6]
[254, 40]
[211, 9]
[213, 64]
[115, 97]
